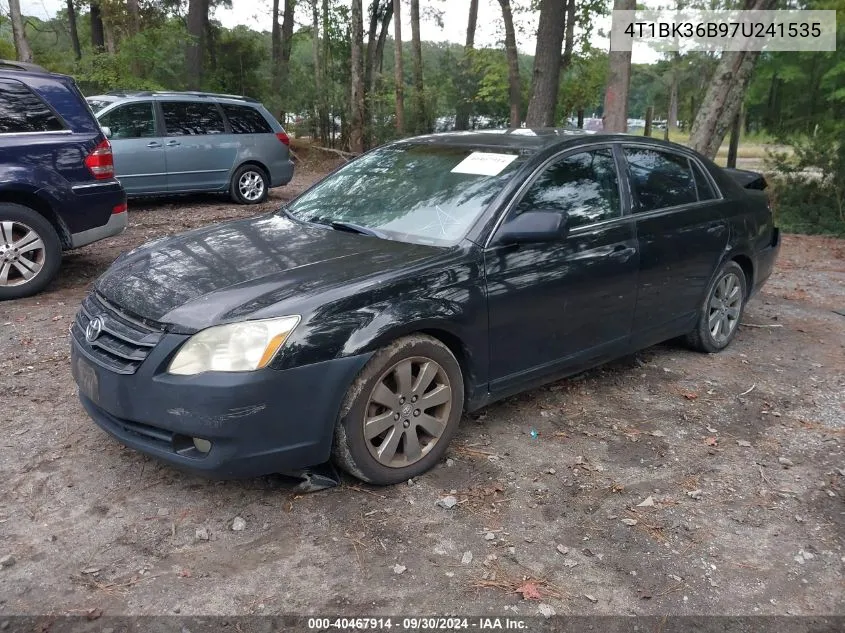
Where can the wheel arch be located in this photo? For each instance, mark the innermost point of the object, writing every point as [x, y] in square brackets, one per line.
[33, 201]
[251, 161]
[747, 266]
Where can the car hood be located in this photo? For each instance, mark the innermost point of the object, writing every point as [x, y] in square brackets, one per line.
[246, 268]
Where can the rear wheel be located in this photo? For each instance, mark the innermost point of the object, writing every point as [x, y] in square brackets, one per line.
[249, 185]
[720, 315]
[401, 412]
[30, 251]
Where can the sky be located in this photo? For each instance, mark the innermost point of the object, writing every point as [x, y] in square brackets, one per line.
[489, 32]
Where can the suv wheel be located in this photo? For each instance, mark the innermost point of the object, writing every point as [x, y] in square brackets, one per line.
[30, 251]
[249, 185]
[401, 412]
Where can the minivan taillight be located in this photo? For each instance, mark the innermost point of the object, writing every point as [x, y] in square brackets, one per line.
[100, 161]
[283, 138]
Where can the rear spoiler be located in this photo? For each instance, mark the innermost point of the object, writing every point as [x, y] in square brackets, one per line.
[747, 179]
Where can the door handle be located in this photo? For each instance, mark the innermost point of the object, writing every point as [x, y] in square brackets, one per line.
[153, 144]
[173, 143]
[622, 253]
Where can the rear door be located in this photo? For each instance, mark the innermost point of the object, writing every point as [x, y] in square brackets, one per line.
[139, 159]
[199, 151]
[682, 233]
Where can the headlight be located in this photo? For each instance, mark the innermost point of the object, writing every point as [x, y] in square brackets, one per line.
[244, 346]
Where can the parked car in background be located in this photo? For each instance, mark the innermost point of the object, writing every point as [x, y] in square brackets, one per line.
[428, 277]
[57, 184]
[183, 142]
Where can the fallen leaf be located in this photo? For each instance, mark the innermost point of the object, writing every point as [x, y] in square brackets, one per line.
[648, 502]
[711, 441]
[744, 443]
[94, 614]
[629, 522]
[185, 573]
[690, 395]
[529, 590]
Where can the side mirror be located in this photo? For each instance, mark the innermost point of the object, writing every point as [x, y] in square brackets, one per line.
[106, 130]
[534, 226]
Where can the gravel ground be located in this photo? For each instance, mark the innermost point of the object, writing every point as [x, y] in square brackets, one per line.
[666, 482]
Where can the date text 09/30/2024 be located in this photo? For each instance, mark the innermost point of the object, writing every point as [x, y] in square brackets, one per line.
[417, 624]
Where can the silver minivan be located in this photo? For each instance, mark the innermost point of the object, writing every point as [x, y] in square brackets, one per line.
[183, 142]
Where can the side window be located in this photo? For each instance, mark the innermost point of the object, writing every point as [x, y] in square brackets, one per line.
[188, 118]
[702, 184]
[584, 185]
[659, 179]
[246, 120]
[133, 120]
[22, 111]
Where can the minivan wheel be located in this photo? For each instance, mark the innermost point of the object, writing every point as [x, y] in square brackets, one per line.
[30, 251]
[721, 313]
[249, 185]
[400, 412]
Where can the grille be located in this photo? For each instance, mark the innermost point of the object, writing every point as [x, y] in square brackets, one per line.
[123, 343]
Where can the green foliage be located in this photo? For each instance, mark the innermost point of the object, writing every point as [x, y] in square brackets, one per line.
[583, 83]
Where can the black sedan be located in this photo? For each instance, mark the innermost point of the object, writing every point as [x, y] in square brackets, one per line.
[428, 277]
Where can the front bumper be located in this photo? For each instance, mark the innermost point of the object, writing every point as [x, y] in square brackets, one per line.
[258, 423]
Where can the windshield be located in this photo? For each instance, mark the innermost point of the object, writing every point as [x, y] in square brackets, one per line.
[429, 194]
[98, 104]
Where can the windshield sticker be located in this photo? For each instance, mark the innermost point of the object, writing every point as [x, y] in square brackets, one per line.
[484, 164]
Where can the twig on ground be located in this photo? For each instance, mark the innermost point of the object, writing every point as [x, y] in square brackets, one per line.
[749, 390]
[755, 325]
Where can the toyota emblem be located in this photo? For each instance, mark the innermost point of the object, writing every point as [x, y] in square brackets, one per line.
[95, 327]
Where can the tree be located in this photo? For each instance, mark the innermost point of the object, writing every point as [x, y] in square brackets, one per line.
[356, 132]
[195, 51]
[74, 31]
[24, 52]
[618, 82]
[545, 80]
[134, 15]
[420, 119]
[514, 82]
[399, 76]
[98, 38]
[381, 12]
[281, 43]
[464, 106]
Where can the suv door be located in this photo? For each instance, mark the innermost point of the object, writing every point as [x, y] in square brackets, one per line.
[138, 148]
[682, 234]
[558, 305]
[200, 152]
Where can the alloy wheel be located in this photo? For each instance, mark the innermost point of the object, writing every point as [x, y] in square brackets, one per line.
[407, 411]
[251, 185]
[724, 308]
[22, 253]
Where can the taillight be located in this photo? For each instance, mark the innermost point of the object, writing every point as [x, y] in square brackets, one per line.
[119, 208]
[283, 138]
[100, 162]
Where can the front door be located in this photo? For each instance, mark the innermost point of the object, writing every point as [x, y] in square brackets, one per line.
[139, 160]
[555, 306]
[200, 153]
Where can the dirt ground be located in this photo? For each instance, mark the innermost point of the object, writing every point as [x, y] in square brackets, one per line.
[666, 482]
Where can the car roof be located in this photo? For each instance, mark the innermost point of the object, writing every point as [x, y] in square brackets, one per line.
[188, 95]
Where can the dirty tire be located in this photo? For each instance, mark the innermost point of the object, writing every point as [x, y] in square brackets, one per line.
[250, 185]
[701, 338]
[20, 225]
[357, 455]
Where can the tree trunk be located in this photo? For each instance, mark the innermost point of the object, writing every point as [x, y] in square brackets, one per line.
[134, 16]
[195, 52]
[672, 115]
[420, 118]
[109, 36]
[569, 39]
[98, 39]
[464, 106]
[514, 83]
[318, 80]
[398, 72]
[74, 31]
[22, 48]
[733, 147]
[356, 131]
[281, 44]
[327, 116]
[618, 82]
[545, 80]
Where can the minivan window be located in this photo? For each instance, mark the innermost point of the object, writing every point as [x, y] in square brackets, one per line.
[133, 120]
[22, 111]
[246, 120]
[189, 118]
[584, 185]
[659, 179]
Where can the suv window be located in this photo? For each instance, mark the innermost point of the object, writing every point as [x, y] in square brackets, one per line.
[188, 118]
[584, 185]
[23, 111]
[659, 179]
[246, 120]
[133, 120]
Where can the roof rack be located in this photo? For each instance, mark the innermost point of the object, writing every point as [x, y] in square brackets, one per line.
[176, 93]
[13, 65]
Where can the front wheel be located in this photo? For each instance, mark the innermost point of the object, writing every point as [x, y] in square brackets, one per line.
[30, 251]
[720, 315]
[401, 412]
[249, 185]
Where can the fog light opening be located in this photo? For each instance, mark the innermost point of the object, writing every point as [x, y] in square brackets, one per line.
[203, 446]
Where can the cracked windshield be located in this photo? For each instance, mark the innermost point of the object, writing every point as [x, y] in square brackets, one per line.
[415, 193]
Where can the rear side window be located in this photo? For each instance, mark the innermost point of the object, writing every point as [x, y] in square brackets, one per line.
[22, 111]
[187, 118]
[246, 120]
[660, 179]
[133, 120]
[702, 184]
